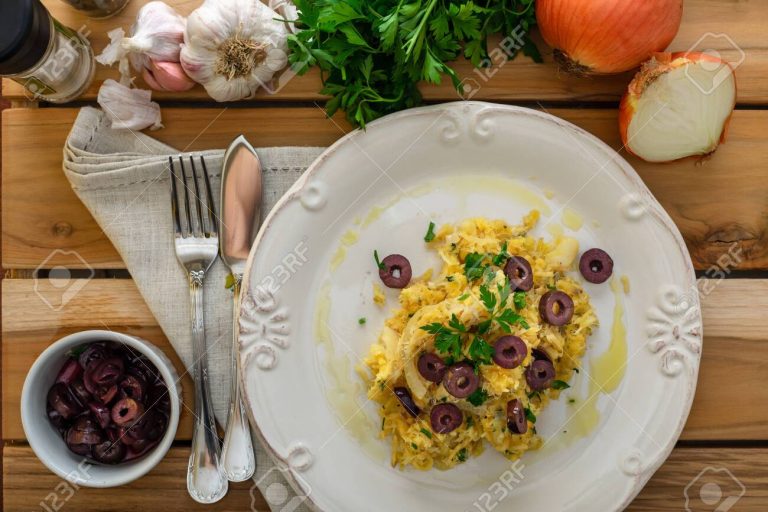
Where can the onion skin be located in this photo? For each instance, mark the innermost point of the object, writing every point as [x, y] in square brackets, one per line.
[659, 64]
[596, 37]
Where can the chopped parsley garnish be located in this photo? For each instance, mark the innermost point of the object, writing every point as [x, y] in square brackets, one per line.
[518, 299]
[426, 433]
[529, 415]
[571, 400]
[501, 258]
[559, 384]
[449, 279]
[497, 307]
[534, 394]
[478, 397]
[361, 320]
[414, 446]
[470, 421]
[473, 266]
[378, 261]
[430, 233]
[480, 351]
[462, 455]
[447, 338]
[463, 297]
[576, 370]
[75, 352]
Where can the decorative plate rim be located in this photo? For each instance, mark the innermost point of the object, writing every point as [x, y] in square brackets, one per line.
[462, 108]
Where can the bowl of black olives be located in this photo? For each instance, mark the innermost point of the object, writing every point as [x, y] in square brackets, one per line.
[100, 408]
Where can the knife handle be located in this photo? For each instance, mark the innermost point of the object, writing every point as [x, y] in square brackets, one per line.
[237, 453]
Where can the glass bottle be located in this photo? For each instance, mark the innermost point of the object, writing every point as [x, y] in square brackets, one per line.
[98, 8]
[53, 62]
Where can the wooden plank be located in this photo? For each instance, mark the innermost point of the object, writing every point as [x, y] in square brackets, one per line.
[27, 482]
[43, 218]
[520, 80]
[736, 347]
[59, 230]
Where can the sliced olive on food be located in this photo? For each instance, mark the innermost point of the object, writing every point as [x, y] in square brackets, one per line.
[127, 411]
[404, 396]
[432, 367]
[93, 352]
[556, 308]
[516, 420]
[509, 352]
[445, 418]
[596, 266]
[461, 380]
[519, 272]
[540, 374]
[109, 452]
[395, 271]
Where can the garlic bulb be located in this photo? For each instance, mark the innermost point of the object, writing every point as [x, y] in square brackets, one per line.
[233, 47]
[156, 36]
[127, 108]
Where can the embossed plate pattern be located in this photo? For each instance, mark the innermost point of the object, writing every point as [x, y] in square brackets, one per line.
[310, 278]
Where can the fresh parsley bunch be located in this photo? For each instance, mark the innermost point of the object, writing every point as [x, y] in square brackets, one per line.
[373, 53]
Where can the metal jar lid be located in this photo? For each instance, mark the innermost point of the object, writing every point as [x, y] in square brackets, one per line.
[25, 33]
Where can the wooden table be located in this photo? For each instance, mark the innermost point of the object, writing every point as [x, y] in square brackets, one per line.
[720, 205]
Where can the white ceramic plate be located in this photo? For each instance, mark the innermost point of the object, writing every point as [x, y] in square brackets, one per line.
[310, 278]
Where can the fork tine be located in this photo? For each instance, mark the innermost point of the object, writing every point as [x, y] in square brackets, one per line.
[174, 199]
[190, 228]
[198, 200]
[212, 217]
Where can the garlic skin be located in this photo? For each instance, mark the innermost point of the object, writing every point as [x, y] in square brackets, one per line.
[130, 109]
[156, 35]
[233, 47]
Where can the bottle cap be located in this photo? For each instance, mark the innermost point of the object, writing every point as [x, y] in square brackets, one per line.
[25, 33]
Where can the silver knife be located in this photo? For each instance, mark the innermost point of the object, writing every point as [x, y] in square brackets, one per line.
[241, 200]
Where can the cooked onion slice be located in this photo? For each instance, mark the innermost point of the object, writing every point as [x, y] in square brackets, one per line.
[678, 105]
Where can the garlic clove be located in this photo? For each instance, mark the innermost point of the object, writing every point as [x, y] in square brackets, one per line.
[169, 76]
[149, 79]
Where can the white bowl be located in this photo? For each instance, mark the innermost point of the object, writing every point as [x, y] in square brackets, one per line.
[47, 443]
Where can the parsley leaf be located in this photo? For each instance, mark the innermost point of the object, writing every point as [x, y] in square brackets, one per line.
[502, 257]
[487, 298]
[430, 233]
[529, 415]
[426, 433]
[478, 397]
[361, 320]
[462, 455]
[447, 339]
[378, 261]
[559, 384]
[507, 318]
[473, 266]
[518, 299]
[480, 351]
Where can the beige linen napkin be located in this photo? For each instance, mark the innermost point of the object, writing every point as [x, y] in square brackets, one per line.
[122, 178]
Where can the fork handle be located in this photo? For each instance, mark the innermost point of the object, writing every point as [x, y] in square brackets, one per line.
[237, 454]
[206, 481]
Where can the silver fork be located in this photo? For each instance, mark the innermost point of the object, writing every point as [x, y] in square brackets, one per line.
[197, 246]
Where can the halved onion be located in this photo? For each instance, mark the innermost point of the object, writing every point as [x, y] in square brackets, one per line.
[678, 105]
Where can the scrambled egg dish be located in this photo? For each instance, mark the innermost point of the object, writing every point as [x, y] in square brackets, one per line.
[474, 353]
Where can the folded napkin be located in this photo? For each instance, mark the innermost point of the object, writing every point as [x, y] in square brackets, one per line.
[122, 178]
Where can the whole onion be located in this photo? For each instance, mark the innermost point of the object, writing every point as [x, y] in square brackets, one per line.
[607, 36]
